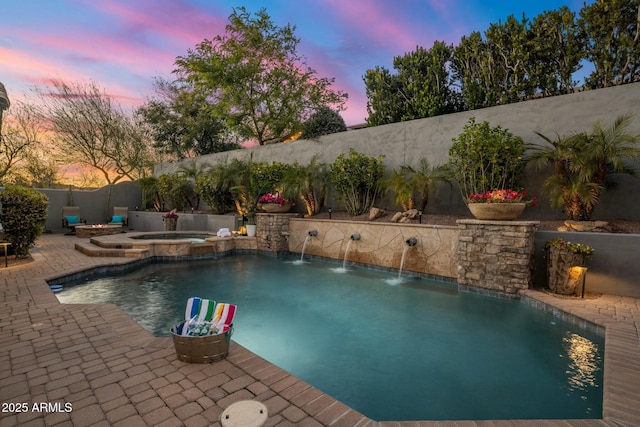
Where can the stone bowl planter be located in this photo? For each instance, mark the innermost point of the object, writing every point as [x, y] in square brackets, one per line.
[496, 211]
[275, 208]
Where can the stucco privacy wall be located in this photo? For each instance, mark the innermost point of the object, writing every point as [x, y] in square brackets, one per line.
[380, 244]
[96, 206]
[406, 142]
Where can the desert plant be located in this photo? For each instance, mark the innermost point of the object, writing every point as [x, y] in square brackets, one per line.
[309, 182]
[484, 158]
[358, 178]
[582, 163]
[24, 212]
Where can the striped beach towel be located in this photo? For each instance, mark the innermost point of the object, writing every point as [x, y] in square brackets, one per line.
[223, 317]
[199, 313]
[200, 309]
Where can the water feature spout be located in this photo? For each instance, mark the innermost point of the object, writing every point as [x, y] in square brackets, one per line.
[411, 241]
[310, 234]
[355, 236]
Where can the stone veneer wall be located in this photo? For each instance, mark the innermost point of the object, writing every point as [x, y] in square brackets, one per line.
[496, 255]
[380, 244]
[273, 232]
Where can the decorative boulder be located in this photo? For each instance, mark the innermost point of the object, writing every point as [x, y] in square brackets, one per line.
[411, 213]
[376, 213]
[397, 217]
[589, 226]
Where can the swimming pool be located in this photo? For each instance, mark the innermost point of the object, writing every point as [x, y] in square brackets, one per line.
[417, 351]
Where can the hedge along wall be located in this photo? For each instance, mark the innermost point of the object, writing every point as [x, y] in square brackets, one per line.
[404, 143]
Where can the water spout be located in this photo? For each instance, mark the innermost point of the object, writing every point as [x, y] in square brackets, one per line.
[409, 243]
[304, 246]
[312, 233]
[355, 236]
[346, 253]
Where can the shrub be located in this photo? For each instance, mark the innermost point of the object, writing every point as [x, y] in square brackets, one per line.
[24, 212]
[484, 158]
[358, 180]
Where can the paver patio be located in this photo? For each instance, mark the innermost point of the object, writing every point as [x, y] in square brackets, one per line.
[109, 371]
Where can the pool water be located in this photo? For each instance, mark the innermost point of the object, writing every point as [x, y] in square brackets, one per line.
[419, 350]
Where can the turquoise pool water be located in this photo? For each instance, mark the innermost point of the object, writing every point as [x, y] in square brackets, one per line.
[419, 350]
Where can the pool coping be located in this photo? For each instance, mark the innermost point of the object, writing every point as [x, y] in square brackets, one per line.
[617, 317]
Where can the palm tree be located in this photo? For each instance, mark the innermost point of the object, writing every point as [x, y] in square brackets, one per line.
[400, 183]
[423, 178]
[582, 163]
[411, 185]
[214, 186]
[309, 182]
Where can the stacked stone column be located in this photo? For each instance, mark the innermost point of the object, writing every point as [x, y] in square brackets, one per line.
[496, 255]
[273, 232]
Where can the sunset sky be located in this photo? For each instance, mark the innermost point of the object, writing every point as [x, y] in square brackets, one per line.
[122, 44]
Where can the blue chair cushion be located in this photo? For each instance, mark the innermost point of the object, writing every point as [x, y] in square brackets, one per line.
[117, 218]
[71, 219]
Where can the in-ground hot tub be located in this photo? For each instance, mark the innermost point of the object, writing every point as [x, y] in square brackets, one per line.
[192, 237]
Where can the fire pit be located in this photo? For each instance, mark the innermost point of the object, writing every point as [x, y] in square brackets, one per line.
[87, 231]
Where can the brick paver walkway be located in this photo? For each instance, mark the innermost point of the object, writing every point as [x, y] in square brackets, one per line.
[91, 365]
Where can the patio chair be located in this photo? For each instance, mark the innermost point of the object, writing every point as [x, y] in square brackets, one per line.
[120, 216]
[71, 218]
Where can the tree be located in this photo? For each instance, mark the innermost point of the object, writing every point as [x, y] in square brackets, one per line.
[512, 57]
[255, 78]
[323, 122]
[612, 31]
[556, 46]
[384, 101]
[421, 88]
[92, 131]
[18, 142]
[473, 67]
[182, 122]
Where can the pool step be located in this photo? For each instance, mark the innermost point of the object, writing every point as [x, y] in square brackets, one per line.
[92, 250]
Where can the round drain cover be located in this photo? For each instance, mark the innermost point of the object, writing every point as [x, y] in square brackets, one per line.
[246, 413]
